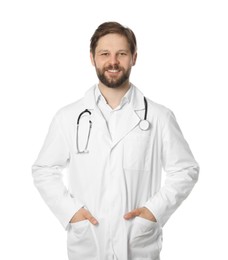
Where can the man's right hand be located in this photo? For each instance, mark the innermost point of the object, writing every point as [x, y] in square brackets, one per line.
[83, 214]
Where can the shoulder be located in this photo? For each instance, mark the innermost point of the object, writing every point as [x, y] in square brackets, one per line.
[69, 110]
[158, 110]
[161, 116]
[78, 106]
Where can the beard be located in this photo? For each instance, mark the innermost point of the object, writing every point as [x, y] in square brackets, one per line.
[113, 82]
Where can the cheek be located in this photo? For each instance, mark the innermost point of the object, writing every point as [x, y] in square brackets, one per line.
[100, 63]
[129, 64]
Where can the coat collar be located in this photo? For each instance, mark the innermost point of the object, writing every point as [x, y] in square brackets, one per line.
[137, 102]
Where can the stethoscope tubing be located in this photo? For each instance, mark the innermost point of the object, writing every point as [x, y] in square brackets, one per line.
[146, 108]
[90, 127]
[144, 125]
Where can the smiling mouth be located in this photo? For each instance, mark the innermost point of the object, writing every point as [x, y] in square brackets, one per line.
[113, 71]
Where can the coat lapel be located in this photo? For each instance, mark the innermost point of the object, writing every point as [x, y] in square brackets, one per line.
[127, 121]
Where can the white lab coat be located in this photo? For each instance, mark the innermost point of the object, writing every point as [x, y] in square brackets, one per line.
[115, 177]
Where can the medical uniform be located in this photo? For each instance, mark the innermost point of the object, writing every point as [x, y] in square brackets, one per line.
[121, 172]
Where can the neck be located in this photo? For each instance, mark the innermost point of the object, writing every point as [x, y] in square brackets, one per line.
[113, 96]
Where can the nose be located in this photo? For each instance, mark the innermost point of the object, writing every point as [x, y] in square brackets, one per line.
[113, 59]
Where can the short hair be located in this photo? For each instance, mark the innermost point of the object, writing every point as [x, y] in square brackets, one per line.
[113, 27]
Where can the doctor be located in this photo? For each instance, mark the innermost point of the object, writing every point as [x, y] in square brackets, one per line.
[114, 143]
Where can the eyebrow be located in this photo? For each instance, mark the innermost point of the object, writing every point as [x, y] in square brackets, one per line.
[103, 50]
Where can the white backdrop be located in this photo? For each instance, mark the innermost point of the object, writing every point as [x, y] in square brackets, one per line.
[44, 65]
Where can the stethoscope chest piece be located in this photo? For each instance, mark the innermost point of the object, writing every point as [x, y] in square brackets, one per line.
[144, 125]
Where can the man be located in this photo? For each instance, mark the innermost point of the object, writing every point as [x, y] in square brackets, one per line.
[115, 143]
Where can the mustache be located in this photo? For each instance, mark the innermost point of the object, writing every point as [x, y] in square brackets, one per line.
[113, 67]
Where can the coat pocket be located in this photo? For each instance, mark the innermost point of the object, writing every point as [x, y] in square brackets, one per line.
[80, 241]
[137, 152]
[145, 239]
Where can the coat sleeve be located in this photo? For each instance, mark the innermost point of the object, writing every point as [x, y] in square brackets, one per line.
[47, 175]
[181, 172]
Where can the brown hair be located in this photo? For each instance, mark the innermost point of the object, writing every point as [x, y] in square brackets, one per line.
[113, 27]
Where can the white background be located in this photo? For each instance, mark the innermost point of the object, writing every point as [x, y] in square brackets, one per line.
[44, 65]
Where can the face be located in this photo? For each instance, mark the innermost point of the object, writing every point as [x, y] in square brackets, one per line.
[113, 60]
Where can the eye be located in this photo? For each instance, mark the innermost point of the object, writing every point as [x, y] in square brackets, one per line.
[123, 53]
[104, 54]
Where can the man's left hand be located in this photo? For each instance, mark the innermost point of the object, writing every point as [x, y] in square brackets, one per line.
[140, 212]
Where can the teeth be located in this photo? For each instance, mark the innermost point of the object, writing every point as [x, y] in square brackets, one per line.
[113, 70]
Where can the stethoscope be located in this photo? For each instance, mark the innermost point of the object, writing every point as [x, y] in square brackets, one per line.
[143, 125]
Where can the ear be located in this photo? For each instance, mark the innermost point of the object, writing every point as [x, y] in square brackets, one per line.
[134, 58]
[92, 59]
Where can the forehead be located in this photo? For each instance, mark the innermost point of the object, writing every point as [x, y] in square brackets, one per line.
[112, 41]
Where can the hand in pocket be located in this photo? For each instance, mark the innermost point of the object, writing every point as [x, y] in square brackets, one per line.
[140, 212]
[83, 214]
